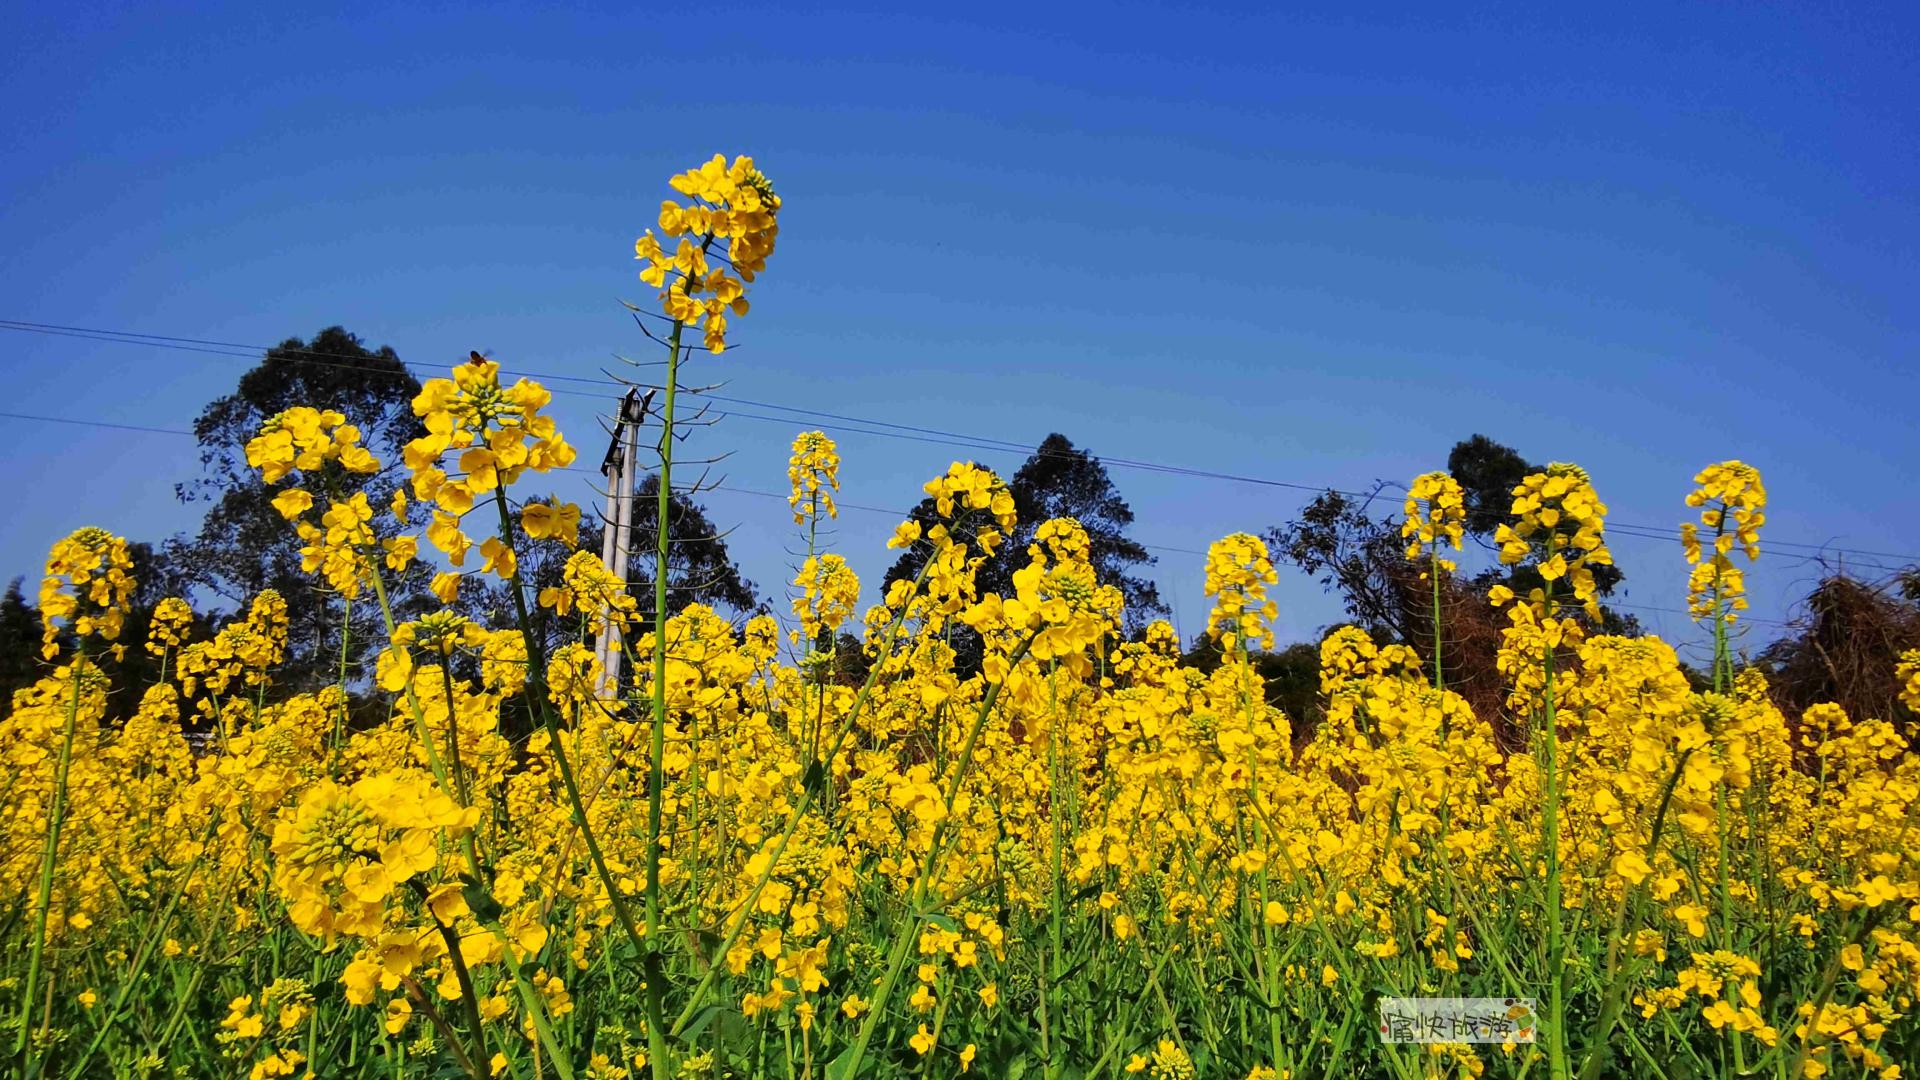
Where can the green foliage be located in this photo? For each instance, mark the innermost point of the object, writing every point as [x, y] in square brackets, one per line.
[1487, 473]
[1060, 480]
[243, 546]
[19, 641]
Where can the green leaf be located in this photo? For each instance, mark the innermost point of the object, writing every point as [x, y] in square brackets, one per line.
[484, 906]
[690, 1035]
[733, 1026]
[841, 1068]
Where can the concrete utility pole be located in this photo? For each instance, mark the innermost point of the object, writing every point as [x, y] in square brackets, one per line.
[616, 546]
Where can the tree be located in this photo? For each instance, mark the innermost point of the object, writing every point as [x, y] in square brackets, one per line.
[1057, 480]
[1291, 677]
[19, 643]
[1487, 473]
[244, 546]
[1338, 541]
[1060, 480]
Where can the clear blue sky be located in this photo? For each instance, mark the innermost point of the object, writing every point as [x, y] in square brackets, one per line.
[1313, 246]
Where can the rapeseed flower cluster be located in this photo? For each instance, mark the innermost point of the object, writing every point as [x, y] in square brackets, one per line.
[1732, 503]
[814, 472]
[910, 863]
[1435, 515]
[1069, 851]
[87, 588]
[1238, 573]
[732, 207]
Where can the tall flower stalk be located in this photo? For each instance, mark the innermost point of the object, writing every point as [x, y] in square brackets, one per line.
[86, 591]
[725, 232]
[1435, 515]
[1558, 528]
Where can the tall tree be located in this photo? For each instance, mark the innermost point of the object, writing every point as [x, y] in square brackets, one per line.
[1487, 473]
[19, 643]
[1061, 480]
[244, 546]
[1361, 558]
[1337, 541]
[1353, 547]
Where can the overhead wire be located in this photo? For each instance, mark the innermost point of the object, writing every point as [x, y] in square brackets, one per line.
[734, 489]
[844, 423]
[860, 425]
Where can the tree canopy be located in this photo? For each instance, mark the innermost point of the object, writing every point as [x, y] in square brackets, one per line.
[243, 545]
[1060, 480]
[1352, 546]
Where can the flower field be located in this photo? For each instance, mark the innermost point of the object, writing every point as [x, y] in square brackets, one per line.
[1089, 859]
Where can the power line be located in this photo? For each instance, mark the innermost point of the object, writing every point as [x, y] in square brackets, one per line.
[891, 429]
[771, 495]
[570, 469]
[313, 357]
[95, 423]
[869, 426]
[1642, 532]
[238, 349]
[906, 513]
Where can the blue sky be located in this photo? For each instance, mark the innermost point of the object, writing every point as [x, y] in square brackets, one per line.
[1317, 246]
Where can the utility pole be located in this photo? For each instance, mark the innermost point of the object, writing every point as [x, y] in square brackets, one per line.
[616, 545]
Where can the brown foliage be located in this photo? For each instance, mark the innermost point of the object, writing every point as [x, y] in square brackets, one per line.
[1847, 641]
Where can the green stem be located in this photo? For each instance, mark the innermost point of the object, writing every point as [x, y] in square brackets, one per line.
[453, 735]
[1615, 992]
[49, 857]
[470, 1004]
[1055, 930]
[446, 1031]
[1827, 979]
[1550, 831]
[536, 692]
[340, 718]
[904, 937]
[716, 963]
[1433, 571]
[656, 763]
[145, 954]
